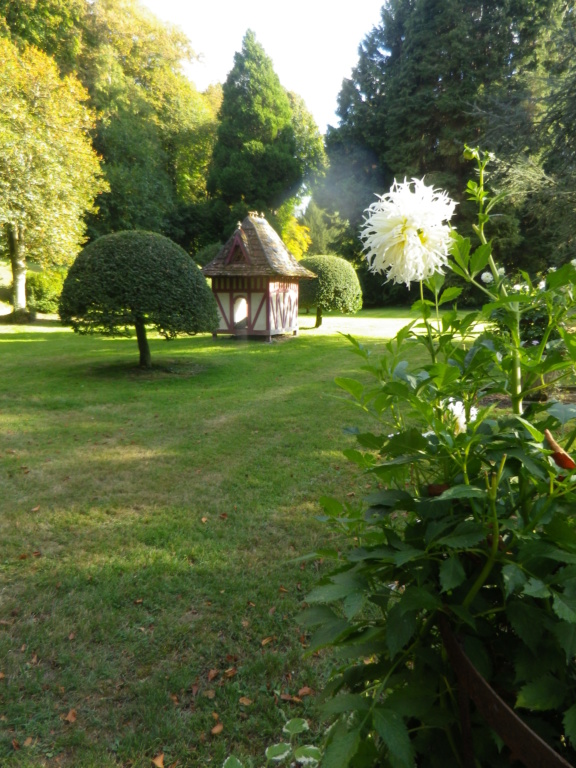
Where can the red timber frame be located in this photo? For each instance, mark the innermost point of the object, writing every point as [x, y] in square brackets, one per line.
[227, 290]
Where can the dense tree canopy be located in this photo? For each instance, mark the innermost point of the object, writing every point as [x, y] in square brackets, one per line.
[267, 141]
[427, 82]
[49, 172]
[132, 279]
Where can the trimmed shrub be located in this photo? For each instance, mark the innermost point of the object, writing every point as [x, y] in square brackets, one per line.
[133, 279]
[336, 287]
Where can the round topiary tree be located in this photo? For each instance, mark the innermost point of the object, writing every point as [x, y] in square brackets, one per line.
[336, 287]
[133, 279]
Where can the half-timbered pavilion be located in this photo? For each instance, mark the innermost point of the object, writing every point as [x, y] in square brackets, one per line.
[255, 282]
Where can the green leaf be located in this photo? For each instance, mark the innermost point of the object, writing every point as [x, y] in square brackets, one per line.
[566, 635]
[332, 507]
[418, 599]
[569, 722]
[526, 621]
[565, 607]
[296, 725]
[480, 258]
[452, 573]
[341, 748]
[442, 374]
[308, 754]
[328, 634]
[513, 578]
[536, 588]
[409, 441]
[278, 752]
[348, 702]
[563, 412]
[449, 295]
[328, 593]
[393, 732]
[317, 615]
[538, 436]
[400, 627]
[353, 387]
[232, 762]
[465, 534]
[570, 342]
[545, 693]
[462, 492]
[460, 250]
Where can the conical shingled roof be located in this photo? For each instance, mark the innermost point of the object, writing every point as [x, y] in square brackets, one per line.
[263, 253]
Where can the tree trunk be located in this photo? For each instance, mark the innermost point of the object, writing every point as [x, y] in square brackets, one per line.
[145, 356]
[318, 317]
[18, 263]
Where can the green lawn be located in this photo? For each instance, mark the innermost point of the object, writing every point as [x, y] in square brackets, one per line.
[149, 524]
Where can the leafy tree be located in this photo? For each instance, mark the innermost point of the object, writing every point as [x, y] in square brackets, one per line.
[336, 286]
[134, 279]
[325, 229]
[267, 142]
[49, 172]
[425, 79]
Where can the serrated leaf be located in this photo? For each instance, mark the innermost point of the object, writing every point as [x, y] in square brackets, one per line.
[566, 635]
[452, 573]
[331, 506]
[278, 752]
[409, 441]
[513, 578]
[400, 628]
[479, 259]
[347, 702]
[394, 734]
[536, 588]
[465, 535]
[418, 599]
[545, 693]
[341, 748]
[565, 607]
[526, 620]
[449, 295]
[570, 724]
[296, 725]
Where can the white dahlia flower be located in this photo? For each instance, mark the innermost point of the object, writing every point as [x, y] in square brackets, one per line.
[406, 235]
[458, 414]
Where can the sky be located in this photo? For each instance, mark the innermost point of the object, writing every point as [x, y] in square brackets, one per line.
[312, 43]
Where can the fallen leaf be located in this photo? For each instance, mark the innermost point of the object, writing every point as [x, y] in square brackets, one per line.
[4, 623]
[37, 553]
[2, 675]
[210, 693]
[212, 674]
[306, 691]
[218, 728]
[283, 589]
[194, 690]
[139, 601]
[34, 659]
[286, 697]
[245, 701]
[272, 611]
[23, 556]
[204, 519]
[35, 509]
[28, 741]
[224, 516]
[231, 657]
[23, 648]
[267, 640]
[15, 744]
[251, 604]
[215, 715]
[230, 672]
[71, 636]
[158, 761]
[174, 698]
[70, 717]
[245, 623]
[351, 494]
